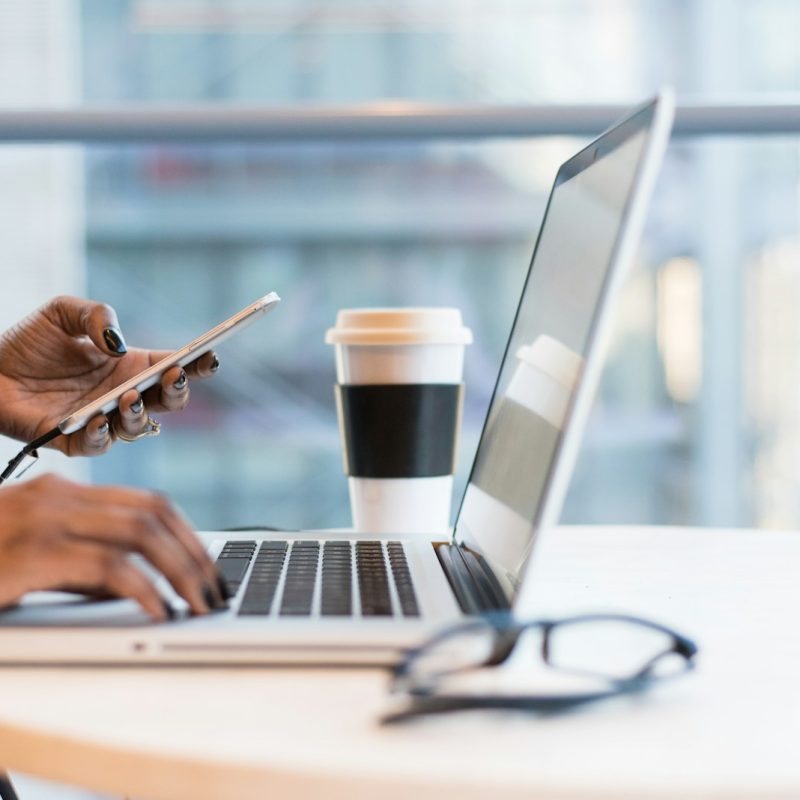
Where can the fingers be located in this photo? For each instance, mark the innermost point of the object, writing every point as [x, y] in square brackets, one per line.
[203, 367]
[93, 440]
[131, 416]
[171, 393]
[139, 530]
[51, 517]
[98, 321]
[174, 389]
[150, 524]
[182, 529]
[101, 570]
[98, 436]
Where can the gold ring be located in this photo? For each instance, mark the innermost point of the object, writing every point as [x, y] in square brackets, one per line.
[152, 428]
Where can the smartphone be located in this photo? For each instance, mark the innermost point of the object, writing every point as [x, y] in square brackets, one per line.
[149, 377]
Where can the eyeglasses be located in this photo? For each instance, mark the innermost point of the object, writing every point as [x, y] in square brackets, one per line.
[620, 653]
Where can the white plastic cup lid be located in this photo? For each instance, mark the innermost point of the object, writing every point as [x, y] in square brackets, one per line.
[553, 358]
[388, 326]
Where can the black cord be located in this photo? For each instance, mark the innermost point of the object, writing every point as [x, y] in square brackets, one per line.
[29, 450]
[6, 788]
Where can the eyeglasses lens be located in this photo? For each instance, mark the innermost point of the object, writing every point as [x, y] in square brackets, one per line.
[464, 649]
[615, 649]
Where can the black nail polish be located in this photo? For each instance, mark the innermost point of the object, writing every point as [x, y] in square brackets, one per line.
[137, 406]
[224, 589]
[218, 604]
[215, 364]
[169, 610]
[181, 382]
[114, 341]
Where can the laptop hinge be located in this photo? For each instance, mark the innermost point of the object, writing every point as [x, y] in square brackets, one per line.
[475, 586]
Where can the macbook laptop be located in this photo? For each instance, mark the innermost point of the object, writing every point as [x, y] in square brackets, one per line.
[328, 597]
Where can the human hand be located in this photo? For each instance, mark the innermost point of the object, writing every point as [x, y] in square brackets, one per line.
[69, 352]
[56, 534]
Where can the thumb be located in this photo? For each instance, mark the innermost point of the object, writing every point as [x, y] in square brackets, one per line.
[98, 321]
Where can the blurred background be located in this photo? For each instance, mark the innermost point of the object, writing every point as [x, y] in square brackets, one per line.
[696, 421]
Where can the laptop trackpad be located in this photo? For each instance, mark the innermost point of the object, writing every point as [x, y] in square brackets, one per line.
[60, 609]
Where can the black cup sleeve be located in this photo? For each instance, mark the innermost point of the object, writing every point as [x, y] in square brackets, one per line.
[399, 430]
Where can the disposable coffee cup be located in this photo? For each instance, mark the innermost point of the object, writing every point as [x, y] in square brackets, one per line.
[399, 396]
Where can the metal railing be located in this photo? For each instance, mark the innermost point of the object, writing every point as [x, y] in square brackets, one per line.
[720, 451]
[378, 121]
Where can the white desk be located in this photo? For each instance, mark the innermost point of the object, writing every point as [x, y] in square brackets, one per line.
[729, 730]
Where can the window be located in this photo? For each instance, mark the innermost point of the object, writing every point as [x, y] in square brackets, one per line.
[697, 417]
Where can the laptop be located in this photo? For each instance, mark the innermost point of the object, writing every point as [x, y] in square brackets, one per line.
[337, 597]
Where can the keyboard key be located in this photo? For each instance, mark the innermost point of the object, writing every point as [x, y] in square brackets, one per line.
[232, 564]
[301, 574]
[233, 569]
[373, 580]
[238, 547]
[402, 580]
[337, 566]
[264, 577]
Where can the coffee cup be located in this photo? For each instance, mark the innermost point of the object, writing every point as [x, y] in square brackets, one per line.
[399, 396]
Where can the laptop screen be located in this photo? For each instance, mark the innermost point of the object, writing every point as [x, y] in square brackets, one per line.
[548, 347]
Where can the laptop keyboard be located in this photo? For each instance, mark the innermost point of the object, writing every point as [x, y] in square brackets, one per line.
[335, 578]
[264, 578]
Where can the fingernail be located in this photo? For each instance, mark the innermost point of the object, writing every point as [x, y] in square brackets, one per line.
[137, 406]
[169, 610]
[102, 430]
[218, 604]
[224, 590]
[181, 382]
[215, 364]
[114, 341]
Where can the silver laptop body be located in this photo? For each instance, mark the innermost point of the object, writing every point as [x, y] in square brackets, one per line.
[335, 597]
